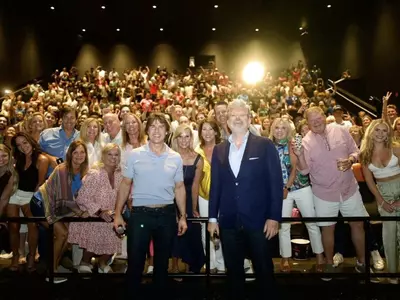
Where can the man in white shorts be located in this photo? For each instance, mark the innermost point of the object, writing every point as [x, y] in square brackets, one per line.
[327, 154]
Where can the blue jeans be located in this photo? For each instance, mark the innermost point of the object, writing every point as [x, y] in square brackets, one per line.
[37, 210]
[146, 223]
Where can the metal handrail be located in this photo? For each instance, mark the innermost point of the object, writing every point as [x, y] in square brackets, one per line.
[20, 90]
[366, 276]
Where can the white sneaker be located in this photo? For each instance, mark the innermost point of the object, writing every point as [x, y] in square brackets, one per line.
[377, 261]
[62, 269]
[338, 259]
[249, 271]
[150, 269]
[57, 280]
[5, 255]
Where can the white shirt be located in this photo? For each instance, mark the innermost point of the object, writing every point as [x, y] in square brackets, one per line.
[236, 154]
[117, 140]
[344, 123]
[235, 159]
[94, 152]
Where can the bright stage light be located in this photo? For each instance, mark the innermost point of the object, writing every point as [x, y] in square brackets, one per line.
[7, 91]
[253, 72]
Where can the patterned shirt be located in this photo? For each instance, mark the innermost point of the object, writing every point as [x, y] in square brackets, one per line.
[301, 181]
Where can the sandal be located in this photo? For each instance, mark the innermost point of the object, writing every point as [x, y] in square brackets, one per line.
[105, 270]
[319, 268]
[83, 268]
[285, 266]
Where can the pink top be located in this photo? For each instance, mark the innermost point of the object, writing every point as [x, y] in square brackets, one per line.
[328, 183]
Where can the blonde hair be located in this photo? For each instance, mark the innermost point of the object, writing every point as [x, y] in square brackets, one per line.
[367, 143]
[284, 122]
[395, 123]
[10, 166]
[29, 121]
[314, 109]
[107, 148]
[84, 128]
[179, 130]
[125, 136]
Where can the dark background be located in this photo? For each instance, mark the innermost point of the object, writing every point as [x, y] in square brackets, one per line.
[362, 36]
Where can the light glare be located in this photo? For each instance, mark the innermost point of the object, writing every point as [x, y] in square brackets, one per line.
[154, 6]
[215, 6]
[257, 29]
[214, 29]
[253, 72]
[84, 30]
[329, 6]
[161, 29]
[103, 7]
[7, 91]
[52, 7]
[118, 29]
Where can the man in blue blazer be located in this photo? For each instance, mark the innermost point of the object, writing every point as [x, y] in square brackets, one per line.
[245, 204]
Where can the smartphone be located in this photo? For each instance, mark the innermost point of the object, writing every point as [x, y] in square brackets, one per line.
[298, 141]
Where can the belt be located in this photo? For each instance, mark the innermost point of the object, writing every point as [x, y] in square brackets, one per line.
[153, 208]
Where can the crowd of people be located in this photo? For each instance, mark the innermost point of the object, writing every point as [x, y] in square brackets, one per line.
[86, 145]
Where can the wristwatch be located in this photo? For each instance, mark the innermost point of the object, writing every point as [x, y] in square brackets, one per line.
[287, 188]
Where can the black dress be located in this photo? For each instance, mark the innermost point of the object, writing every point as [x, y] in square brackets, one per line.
[189, 246]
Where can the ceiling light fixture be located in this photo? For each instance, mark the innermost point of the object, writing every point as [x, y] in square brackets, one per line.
[83, 30]
[154, 6]
[329, 6]
[214, 29]
[118, 29]
[52, 7]
[301, 28]
[215, 6]
[103, 7]
[257, 29]
[161, 29]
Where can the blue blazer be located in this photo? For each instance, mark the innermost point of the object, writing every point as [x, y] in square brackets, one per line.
[252, 197]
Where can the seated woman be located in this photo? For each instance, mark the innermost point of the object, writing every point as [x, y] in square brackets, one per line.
[55, 199]
[98, 196]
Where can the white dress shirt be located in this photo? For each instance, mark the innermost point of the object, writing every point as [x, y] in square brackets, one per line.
[235, 159]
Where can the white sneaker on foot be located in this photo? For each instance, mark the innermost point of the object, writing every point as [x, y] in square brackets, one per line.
[377, 261]
[338, 259]
[249, 271]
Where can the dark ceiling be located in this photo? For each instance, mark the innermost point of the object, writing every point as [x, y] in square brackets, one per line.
[184, 20]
